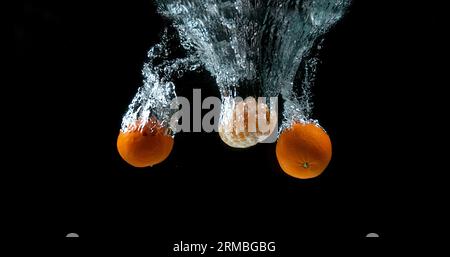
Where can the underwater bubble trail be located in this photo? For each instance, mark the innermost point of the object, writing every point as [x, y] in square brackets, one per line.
[250, 47]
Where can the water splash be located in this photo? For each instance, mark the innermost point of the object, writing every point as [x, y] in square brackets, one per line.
[251, 48]
[153, 99]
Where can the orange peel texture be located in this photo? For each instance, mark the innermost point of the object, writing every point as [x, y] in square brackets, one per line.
[304, 150]
[145, 144]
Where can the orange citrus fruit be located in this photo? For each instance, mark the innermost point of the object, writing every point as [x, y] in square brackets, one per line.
[304, 150]
[246, 123]
[145, 144]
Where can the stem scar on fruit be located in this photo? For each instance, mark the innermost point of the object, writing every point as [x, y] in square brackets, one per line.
[304, 150]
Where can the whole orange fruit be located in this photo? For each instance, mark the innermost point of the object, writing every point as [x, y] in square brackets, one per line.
[304, 150]
[145, 144]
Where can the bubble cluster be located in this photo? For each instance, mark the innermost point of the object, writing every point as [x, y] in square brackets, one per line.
[251, 48]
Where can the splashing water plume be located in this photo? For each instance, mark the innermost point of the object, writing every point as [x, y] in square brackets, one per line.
[251, 47]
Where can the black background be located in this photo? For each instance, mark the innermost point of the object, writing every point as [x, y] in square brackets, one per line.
[78, 66]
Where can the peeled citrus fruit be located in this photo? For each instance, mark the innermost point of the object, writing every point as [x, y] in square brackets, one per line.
[246, 123]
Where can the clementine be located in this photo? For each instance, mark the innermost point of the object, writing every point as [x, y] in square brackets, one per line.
[304, 150]
[145, 144]
[247, 124]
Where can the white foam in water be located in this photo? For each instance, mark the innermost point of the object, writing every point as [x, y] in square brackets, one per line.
[252, 46]
[153, 99]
